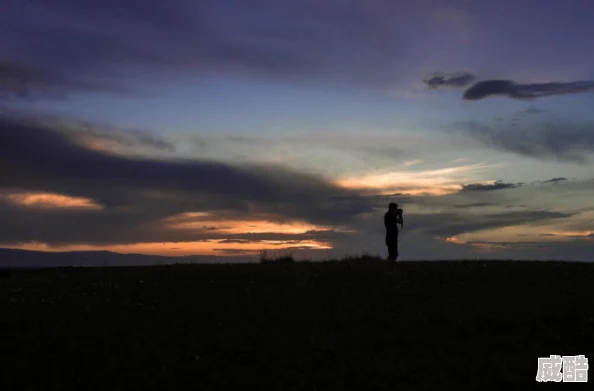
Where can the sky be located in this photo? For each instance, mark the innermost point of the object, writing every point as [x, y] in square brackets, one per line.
[228, 127]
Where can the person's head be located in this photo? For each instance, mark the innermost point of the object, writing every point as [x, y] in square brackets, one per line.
[392, 207]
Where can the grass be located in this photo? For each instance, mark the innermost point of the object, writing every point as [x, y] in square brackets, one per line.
[282, 256]
[292, 325]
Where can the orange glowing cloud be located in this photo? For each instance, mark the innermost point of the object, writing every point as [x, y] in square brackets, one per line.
[430, 182]
[455, 240]
[200, 222]
[572, 234]
[97, 144]
[478, 246]
[206, 247]
[50, 201]
[412, 162]
[521, 235]
[203, 221]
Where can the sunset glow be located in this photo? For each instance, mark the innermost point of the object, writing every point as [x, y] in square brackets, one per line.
[430, 182]
[573, 234]
[202, 221]
[482, 246]
[230, 126]
[49, 200]
[518, 235]
[207, 247]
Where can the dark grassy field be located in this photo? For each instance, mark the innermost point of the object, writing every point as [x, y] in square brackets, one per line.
[301, 326]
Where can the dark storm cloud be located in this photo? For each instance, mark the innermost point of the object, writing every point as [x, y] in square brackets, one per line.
[486, 88]
[43, 154]
[137, 194]
[498, 185]
[69, 44]
[440, 79]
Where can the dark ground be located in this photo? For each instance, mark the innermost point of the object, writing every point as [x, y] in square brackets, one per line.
[332, 326]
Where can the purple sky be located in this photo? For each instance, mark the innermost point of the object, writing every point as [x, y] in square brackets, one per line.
[226, 126]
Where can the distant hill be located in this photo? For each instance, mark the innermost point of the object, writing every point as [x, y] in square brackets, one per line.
[12, 258]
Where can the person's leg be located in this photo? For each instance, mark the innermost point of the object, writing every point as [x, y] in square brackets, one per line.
[393, 251]
[392, 243]
[389, 259]
[393, 254]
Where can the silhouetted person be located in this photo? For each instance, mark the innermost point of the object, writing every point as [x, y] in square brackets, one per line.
[391, 220]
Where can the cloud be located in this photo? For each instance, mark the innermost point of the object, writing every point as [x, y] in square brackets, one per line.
[452, 224]
[527, 210]
[545, 138]
[111, 45]
[50, 201]
[511, 89]
[18, 79]
[542, 246]
[412, 162]
[474, 205]
[555, 180]
[25, 81]
[436, 181]
[497, 185]
[45, 154]
[312, 151]
[138, 195]
[236, 251]
[126, 139]
[532, 110]
[141, 198]
[440, 79]
[109, 139]
[234, 241]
